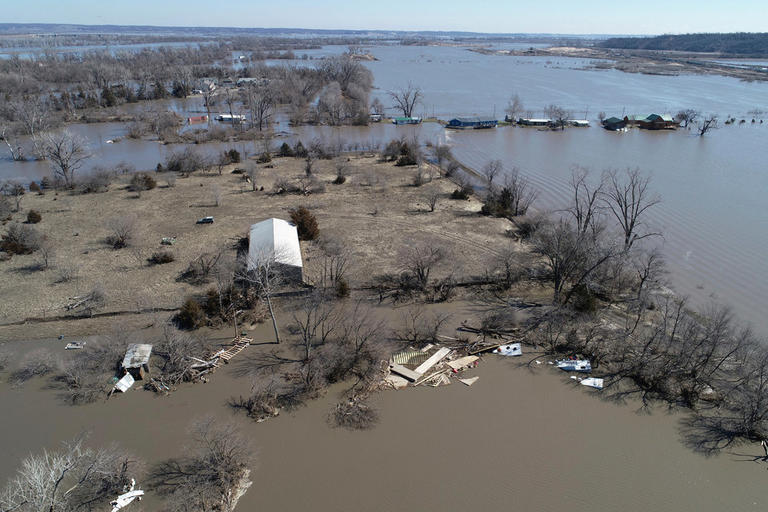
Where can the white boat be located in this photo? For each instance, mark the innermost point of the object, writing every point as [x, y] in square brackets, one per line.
[592, 382]
[75, 345]
[574, 365]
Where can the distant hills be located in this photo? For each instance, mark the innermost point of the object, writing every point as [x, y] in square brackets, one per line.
[738, 43]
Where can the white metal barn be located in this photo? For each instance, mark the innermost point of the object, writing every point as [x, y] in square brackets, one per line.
[278, 241]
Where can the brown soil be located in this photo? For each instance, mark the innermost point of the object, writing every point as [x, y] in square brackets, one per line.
[376, 213]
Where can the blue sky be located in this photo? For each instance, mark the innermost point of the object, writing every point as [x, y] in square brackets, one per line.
[556, 16]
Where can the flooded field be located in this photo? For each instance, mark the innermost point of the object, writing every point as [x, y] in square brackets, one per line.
[521, 438]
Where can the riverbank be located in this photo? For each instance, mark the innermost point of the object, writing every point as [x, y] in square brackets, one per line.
[646, 62]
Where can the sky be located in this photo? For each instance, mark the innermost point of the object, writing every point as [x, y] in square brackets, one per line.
[507, 16]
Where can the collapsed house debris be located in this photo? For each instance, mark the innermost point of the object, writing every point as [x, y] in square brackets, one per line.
[136, 360]
[431, 365]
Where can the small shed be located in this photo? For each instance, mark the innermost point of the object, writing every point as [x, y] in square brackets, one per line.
[276, 241]
[136, 360]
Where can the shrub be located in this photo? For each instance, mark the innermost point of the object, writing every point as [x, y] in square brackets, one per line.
[6, 209]
[185, 162]
[45, 183]
[300, 151]
[34, 187]
[354, 414]
[121, 230]
[462, 193]
[142, 181]
[191, 315]
[161, 257]
[306, 223]
[234, 156]
[264, 158]
[340, 179]
[33, 217]
[20, 239]
[96, 181]
[286, 150]
[342, 288]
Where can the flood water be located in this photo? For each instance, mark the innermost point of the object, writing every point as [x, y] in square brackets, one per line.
[515, 439]
[714, 215]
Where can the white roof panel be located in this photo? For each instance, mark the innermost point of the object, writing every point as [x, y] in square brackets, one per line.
[274, 238]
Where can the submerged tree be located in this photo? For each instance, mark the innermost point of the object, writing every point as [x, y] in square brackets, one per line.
[628, 197]
[406, 99]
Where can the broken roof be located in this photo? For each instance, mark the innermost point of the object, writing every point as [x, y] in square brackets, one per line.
[137, 355]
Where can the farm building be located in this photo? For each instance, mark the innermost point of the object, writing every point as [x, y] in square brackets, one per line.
[406, 120]
[275, 241]
[579, 123]
[471, 123]
[533, 122]
[230, 118]
[652, 121]
[136, 360]
[614, 123]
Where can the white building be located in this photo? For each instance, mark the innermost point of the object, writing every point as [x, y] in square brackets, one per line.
[275, 240]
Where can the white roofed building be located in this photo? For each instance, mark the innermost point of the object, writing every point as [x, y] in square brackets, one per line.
[276, 241]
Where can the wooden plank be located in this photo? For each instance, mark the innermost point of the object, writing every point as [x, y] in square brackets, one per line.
[405, 372]
[433, 360]
[458, 364]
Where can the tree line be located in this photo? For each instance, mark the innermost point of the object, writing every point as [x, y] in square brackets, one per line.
[739, 43]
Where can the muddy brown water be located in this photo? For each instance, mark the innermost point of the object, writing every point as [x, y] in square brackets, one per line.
[516, 439]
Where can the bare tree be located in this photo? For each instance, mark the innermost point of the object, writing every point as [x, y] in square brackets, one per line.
[707, 124]
[17, 152]
[377, 107]
[419, 260]
[253, 173]
[260, 102]
[72, 478]
[15, 190]
[34, 113]
[558, 116]
[513, 199]
[433, 198]
[628, 197]
[406, 99]
[491, 170]
[586, 206]
[442, 154]
[67, 154]
[687, 117]
[570, 257]
[514, 108]
[315, 320]
[264, 271]
[216, 194]
[213, 474]
[335, 263]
